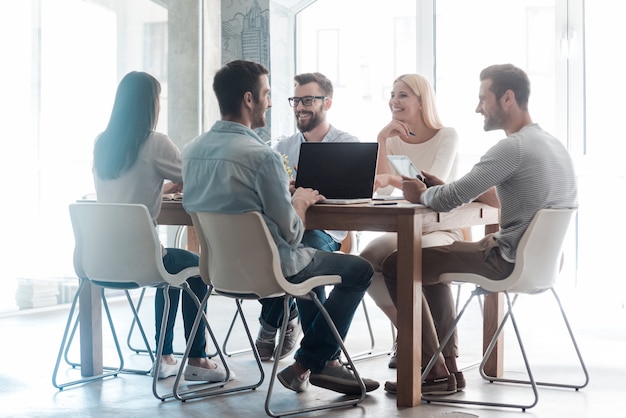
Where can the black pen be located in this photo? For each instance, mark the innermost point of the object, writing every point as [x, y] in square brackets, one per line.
[384, 203]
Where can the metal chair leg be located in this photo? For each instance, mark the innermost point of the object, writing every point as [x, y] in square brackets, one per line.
[549, 384]
[68, 338]
[227, 338]
[369, 354]
[337, 404]
[531, 380]
[213, 389]
[132, 327]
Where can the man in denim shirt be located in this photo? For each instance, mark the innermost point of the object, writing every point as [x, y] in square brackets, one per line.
[229, 169]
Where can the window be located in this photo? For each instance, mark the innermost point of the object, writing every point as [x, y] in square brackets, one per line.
[58, 95]
[572, 68]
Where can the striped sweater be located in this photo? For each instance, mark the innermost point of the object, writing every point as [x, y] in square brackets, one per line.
[530, 169]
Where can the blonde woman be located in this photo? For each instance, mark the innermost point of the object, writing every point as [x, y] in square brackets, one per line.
[416, 131]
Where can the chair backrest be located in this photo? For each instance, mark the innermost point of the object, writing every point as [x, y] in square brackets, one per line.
[116, 245]
[538, 258]
[238, 255]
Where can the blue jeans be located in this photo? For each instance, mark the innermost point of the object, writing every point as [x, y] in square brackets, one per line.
[175, 261]
[319, 345]
[272, 309]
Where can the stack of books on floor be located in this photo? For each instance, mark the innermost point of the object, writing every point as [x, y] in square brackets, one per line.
[36, 293]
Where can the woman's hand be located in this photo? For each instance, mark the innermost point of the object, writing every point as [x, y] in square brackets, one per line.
[395, 128]
[384, 180]
[381, 180]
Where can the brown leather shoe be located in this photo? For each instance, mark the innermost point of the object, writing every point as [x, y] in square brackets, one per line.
[441, 386]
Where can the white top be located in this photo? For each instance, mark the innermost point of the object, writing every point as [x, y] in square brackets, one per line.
[437, 156]
[158, 160]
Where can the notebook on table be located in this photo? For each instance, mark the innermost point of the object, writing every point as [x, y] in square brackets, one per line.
[341, 171]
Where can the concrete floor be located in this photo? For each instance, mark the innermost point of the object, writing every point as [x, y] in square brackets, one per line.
[31, 339]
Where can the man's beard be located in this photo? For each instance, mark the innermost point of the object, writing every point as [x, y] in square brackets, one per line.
[258, 118]
[495, 120]
[311, 124]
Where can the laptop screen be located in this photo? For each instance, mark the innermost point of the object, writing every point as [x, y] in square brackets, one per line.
[338, 170]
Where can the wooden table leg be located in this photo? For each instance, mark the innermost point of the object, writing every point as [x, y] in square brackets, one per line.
[409, 311]
[493, 314]
[90, 317]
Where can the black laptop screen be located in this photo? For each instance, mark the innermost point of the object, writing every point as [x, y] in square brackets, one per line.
[339, 170]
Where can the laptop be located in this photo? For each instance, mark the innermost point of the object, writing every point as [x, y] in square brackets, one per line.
[342, 171]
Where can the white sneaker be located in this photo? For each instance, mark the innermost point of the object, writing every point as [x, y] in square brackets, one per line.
[166, 370]
[200, 374]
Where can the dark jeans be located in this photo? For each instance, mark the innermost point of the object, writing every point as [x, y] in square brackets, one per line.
[175, 261]
[319, 345]
[272, 309]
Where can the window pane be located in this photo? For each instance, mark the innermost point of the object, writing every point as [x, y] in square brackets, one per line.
[473, 35]
[59, 99]
[361, 50]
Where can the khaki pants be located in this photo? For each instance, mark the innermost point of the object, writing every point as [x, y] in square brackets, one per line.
[438, 307]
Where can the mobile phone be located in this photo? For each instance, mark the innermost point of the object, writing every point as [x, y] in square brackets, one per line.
[405, 166]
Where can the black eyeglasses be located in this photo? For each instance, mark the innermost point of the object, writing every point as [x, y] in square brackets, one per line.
[306, 100]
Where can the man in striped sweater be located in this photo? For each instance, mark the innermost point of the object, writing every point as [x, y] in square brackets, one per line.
[527, 171]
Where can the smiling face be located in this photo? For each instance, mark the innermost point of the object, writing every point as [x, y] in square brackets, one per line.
[490, 107]
[404, 103]
[263, 103]
[309, 117]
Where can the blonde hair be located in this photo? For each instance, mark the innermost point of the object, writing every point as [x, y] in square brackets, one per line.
[422, 88]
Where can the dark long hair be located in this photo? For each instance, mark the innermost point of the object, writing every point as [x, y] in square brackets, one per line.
[133, 119]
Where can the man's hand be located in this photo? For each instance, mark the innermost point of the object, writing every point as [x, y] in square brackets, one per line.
[412, 189]
[303, 198]
[431, 180]
[292, 187]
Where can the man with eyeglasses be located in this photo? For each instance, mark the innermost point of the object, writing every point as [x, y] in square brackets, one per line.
[313, 97]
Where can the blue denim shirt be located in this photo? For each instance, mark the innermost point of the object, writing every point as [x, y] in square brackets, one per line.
[229, 169]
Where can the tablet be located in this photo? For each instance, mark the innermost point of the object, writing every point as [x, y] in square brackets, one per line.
[404, 166]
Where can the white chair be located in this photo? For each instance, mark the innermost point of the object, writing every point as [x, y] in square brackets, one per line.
[117, 247]
[240, 260]
[537, 265]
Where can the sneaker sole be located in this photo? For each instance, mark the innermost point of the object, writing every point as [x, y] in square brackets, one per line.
[339, 385]
[335, 386]
[439, 392]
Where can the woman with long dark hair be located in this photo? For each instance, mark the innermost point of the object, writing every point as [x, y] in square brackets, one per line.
[131, 163]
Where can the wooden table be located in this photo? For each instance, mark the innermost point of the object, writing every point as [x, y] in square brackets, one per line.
[410, 222]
